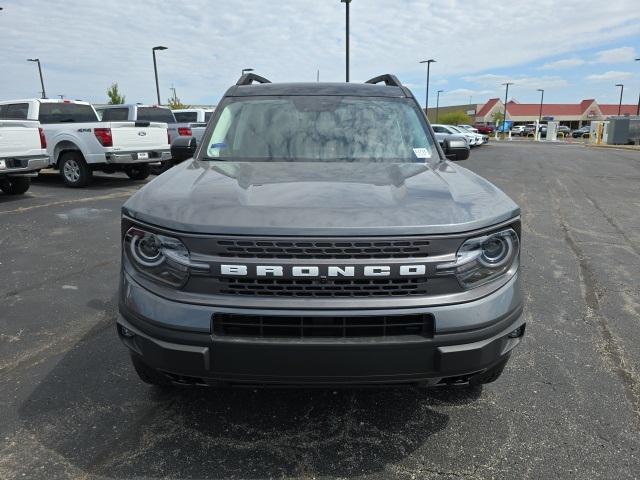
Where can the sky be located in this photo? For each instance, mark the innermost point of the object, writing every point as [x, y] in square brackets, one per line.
[572, 49]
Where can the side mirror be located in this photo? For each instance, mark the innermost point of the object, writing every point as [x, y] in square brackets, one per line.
[183, 148]
[456, 148]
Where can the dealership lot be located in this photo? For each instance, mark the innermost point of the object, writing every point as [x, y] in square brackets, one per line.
[568, 404]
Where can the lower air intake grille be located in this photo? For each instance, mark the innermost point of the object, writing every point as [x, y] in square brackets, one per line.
[268, 326]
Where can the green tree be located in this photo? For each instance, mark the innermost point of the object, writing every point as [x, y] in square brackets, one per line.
[115, 98]
[497, 117]
[454, 118]
[175, 103]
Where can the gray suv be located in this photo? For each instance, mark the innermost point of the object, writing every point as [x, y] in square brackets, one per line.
[320, 235]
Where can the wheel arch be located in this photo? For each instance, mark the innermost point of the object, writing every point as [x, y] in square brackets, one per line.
[63, 147]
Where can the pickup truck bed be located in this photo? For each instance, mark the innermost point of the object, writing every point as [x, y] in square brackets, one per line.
[21, 154]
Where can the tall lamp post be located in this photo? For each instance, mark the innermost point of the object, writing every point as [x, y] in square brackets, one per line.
[638, 109]
[346, 3]
[541, 90]
[37, 60]
[506, 99]
[620, 102]
[426, 101]
[155, 69]
[438, 103]
[245, 70]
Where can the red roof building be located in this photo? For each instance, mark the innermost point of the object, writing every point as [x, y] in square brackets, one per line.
[572, 114]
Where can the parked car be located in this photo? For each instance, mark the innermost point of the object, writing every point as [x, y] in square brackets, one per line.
[479, 139]
[484, 129]
[320, 237]
[468, 128]
[529, 129]
[78, 143]
[195, 119]
[581, 132]
[564, 130]
[471, 138]
[23, 152]
[147, 113]
[518, 130]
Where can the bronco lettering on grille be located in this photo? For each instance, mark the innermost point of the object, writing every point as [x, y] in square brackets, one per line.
[311, 271]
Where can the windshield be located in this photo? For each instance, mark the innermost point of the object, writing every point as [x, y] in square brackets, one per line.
[320, 128]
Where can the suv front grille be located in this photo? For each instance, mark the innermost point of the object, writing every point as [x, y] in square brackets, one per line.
[326, 288]
[323, 249]
[267, 326]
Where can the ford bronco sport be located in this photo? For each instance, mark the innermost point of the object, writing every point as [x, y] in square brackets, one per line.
[320, 235]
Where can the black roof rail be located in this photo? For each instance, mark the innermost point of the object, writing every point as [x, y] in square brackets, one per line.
[249, 78]
[388, 79]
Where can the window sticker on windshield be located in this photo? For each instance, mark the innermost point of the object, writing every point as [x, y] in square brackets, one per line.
[219, 145]
[421, 153]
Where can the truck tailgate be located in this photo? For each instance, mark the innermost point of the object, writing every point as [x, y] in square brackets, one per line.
[197, 130]
[19, 138]
[128, 138]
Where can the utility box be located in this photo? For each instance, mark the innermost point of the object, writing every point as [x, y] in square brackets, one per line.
[618, 133]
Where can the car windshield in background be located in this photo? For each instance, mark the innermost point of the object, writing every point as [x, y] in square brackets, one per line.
[320, 128]
[66, 113]
[207, 116]
[186, 117]
[155, 114]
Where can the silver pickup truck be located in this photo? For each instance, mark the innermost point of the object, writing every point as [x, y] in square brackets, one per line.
[79, 144]
[23, 152]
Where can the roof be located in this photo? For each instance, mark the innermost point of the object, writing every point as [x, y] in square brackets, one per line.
[350, 89]
[486, 108]
[612, 109]
[44, 100]
[533, 109]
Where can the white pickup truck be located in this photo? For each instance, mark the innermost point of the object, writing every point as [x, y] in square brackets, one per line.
[195, 119]
[78, 143]
[23, 152]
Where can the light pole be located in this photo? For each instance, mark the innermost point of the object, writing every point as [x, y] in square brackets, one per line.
[37, 60]
[506, 97]
[426, 101]
[638, 109]
[541, 90]
[245, 70]
[438, 103]
[620, 102]
[346, 3]
[155, 69]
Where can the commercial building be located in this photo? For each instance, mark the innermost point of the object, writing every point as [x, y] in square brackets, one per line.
[574, 115]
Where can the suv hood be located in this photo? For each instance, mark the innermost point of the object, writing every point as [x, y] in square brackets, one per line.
[313, 198]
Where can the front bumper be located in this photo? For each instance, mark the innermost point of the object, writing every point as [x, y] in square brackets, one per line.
[468, 339]
[23, 165]
[132, 157]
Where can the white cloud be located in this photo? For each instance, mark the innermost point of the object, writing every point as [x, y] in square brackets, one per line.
[562, 64]
[519, 81]
[610, 76]
[616, 55]
[85, 46]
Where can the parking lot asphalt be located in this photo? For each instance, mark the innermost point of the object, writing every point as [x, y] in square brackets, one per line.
[567, 406]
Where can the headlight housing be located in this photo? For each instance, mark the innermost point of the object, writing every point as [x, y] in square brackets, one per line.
[483, 259]
[163, 258]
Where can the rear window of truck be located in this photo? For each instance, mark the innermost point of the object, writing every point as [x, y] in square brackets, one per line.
[155, 114]
[115, 114]
[186, 117]
[66, 113]
[14, 111]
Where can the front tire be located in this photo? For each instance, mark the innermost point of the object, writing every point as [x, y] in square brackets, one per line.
[15, 185]
[148, 374]
[74, 170]
[138, 172]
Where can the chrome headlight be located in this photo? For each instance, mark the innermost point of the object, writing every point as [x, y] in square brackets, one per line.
[160, 257]
[483, 259]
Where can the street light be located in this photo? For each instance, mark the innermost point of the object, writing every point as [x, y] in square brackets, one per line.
[506, 96]
[426, 102]
[346, 3]
[245, 70]
[155, 69]
[541, 90]
[638, 109]
[438, 103]
[620, 103]
[37, 60]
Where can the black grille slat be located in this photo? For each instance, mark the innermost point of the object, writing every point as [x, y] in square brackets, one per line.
[336, 288]
[267, 326]
[325, 249]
